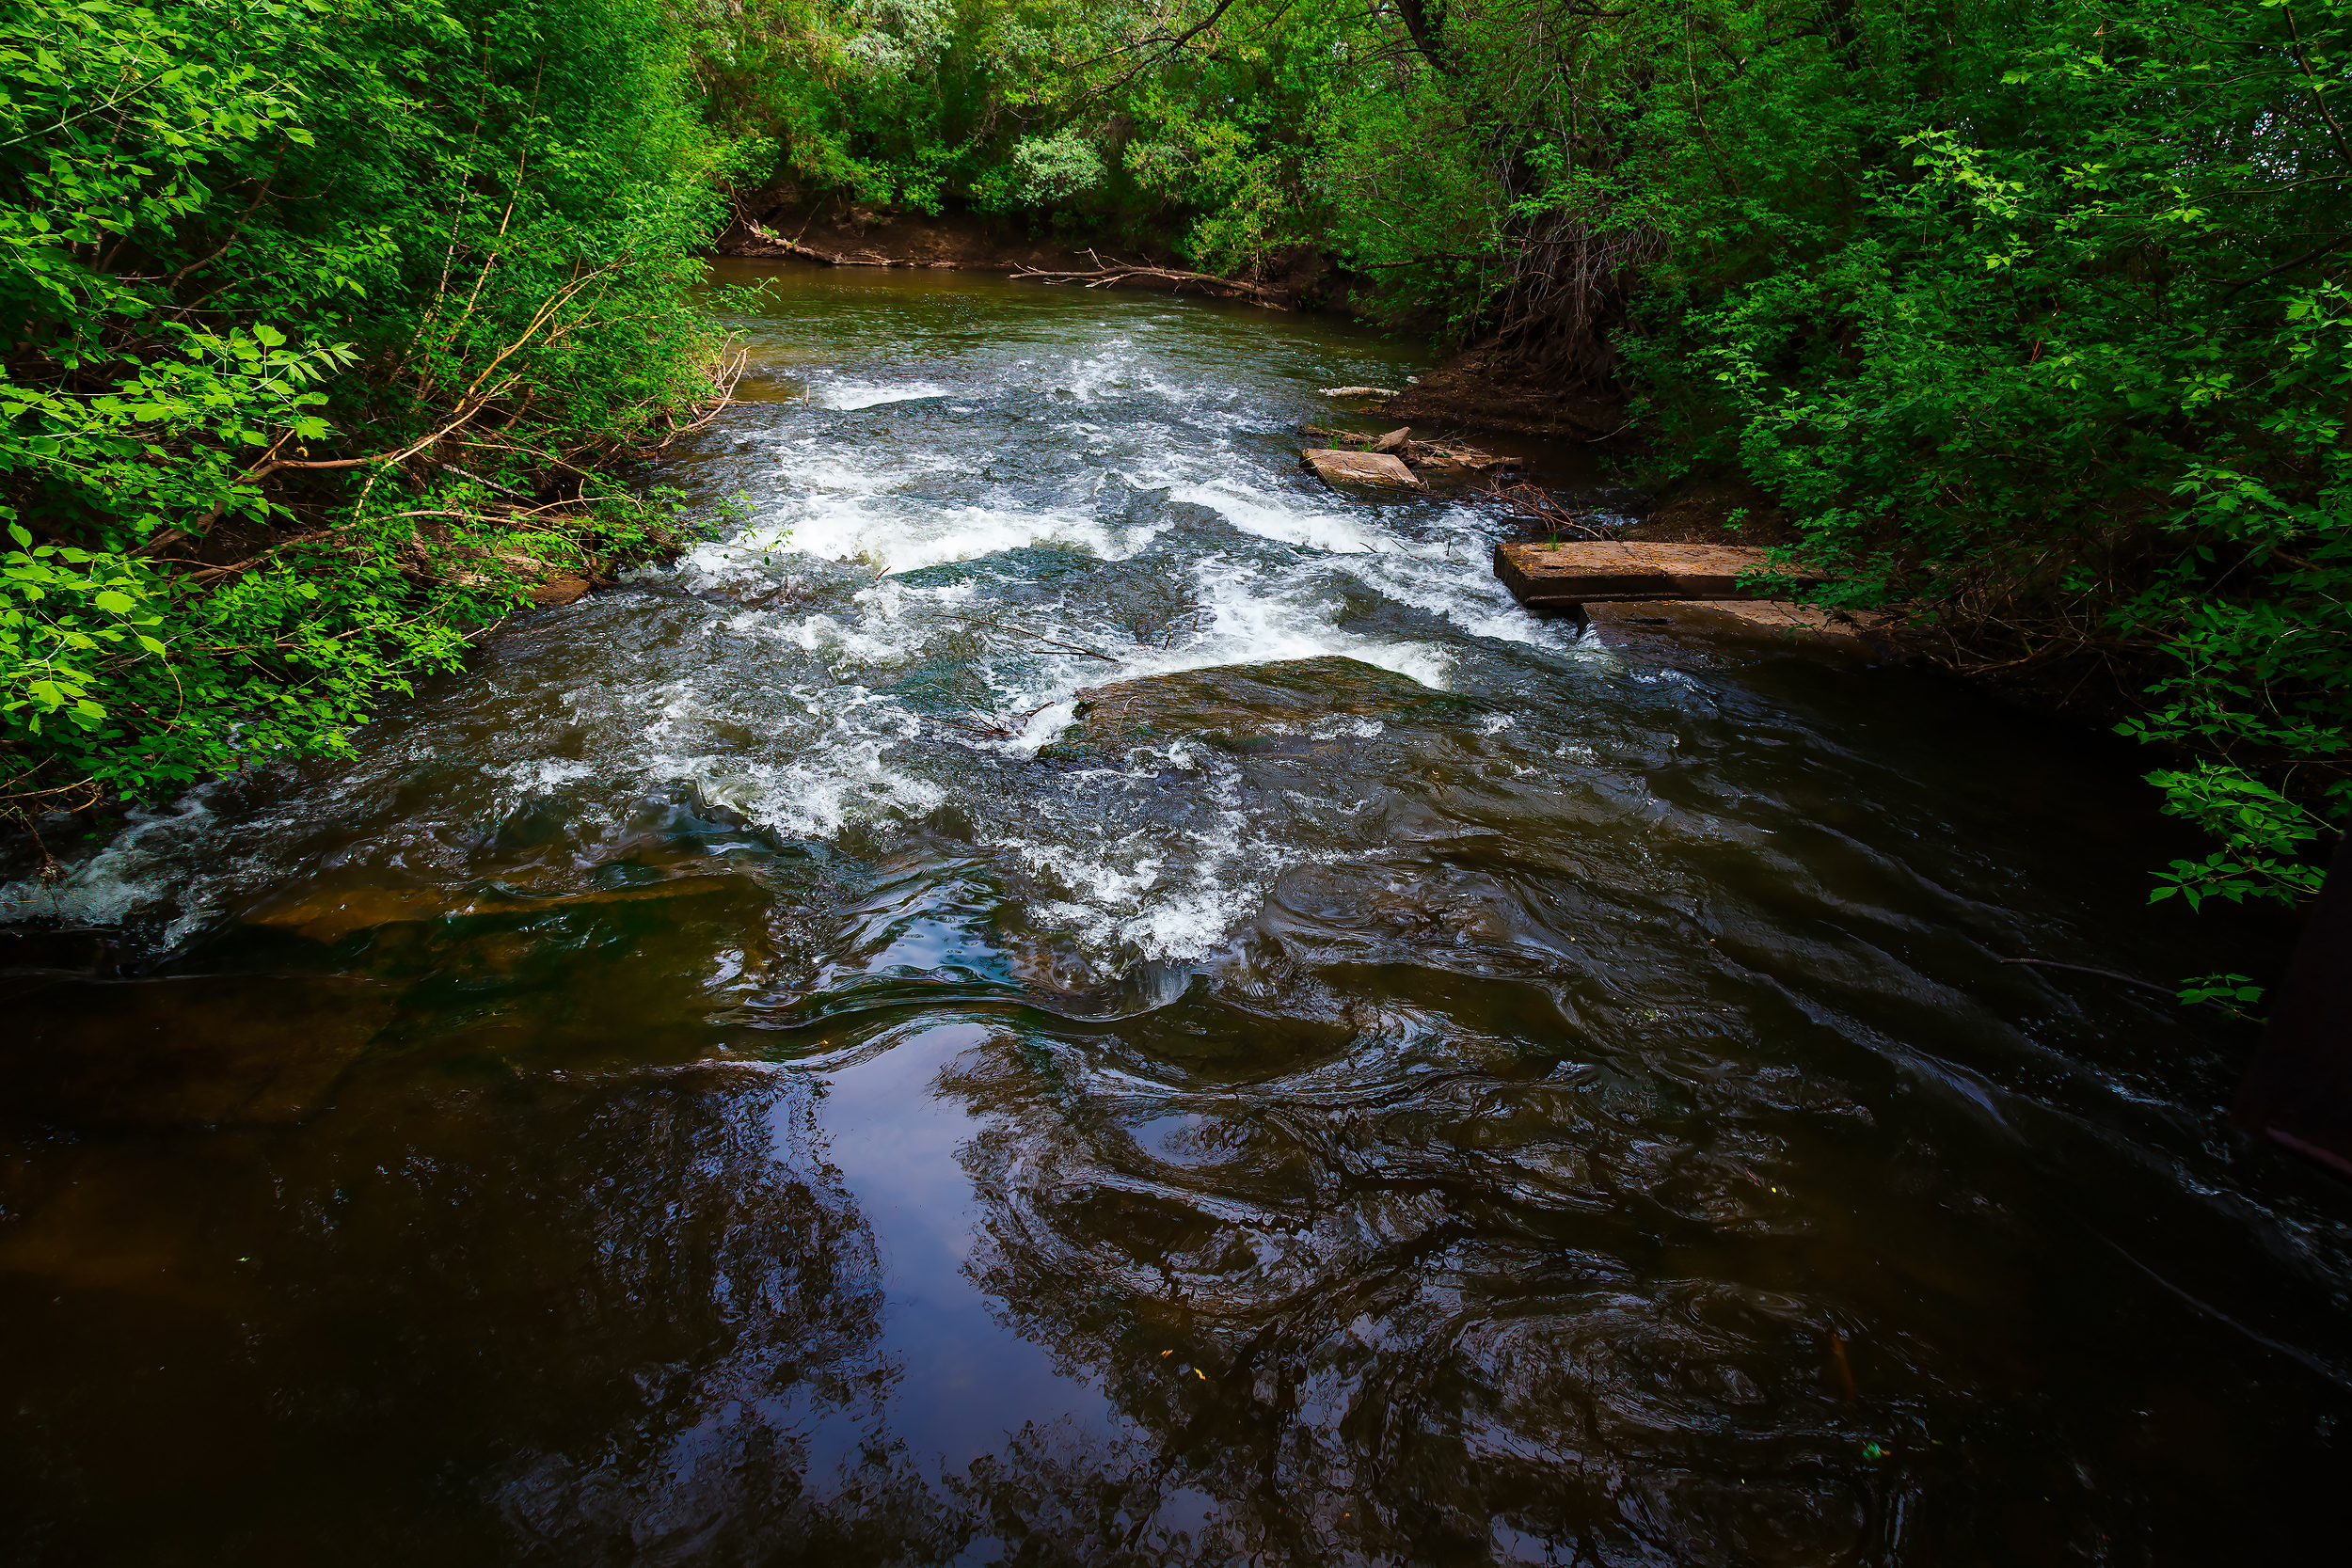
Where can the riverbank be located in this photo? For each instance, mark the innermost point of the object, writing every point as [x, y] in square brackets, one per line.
[306, 383]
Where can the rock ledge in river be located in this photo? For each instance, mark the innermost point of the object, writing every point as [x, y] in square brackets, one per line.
[1241, 705]
[191, 1051]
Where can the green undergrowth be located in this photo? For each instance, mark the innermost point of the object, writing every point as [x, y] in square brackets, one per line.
[331, 326]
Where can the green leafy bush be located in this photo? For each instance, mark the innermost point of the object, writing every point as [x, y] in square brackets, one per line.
[286, 275]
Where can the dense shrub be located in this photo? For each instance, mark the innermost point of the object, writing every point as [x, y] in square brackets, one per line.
[301, 294]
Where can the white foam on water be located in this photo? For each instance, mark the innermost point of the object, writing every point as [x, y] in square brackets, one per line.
[1273, 515]
[1250, 625]
[871, 505]
[141, 868]
[540, 775]
[850, 395]
[1152, 893]
[1118, 367]
[1113, 368]
[1242, 615]
[836, 774]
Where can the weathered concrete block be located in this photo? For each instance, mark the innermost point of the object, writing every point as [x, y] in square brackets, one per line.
[1603, 571]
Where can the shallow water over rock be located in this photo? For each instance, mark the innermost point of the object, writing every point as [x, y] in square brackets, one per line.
[1069, 994]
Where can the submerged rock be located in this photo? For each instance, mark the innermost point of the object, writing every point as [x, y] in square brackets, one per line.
[324, 911]
[199, 1050]
[1241, 706]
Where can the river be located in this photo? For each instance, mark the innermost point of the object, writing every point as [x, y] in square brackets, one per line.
[755, 1071]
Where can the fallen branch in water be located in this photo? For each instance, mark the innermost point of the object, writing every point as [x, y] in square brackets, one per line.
[1006, 731]
[2104, 974]
[2173, 992]
[1541, 508]
[1104, 278]
[834, 259]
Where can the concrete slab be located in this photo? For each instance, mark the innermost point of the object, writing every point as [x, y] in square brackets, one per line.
[1605, 572]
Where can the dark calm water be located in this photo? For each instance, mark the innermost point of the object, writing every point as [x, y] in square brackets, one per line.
[741, 1077]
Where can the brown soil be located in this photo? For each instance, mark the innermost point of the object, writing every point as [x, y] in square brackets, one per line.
[1482, 389]
[1715, 509]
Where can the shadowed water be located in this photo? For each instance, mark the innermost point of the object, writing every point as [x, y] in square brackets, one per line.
[758, 1071]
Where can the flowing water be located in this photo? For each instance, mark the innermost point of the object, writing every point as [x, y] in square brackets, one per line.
[755, 1071]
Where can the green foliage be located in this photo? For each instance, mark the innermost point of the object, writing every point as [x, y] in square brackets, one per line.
[2262, 832]
[271, 268]
[2231, 993]
[1048, 171]
[62, 613]
[2074, 376]
[1179, 114]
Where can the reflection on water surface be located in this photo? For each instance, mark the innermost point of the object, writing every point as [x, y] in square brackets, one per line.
[763, 1068]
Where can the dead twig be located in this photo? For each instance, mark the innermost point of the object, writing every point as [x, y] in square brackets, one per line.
[1542, 509]
[2103, 974]
[1005, 731]
[470, 403]
[730, 376]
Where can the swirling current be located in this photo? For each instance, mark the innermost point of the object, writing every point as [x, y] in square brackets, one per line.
[758, 1070]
